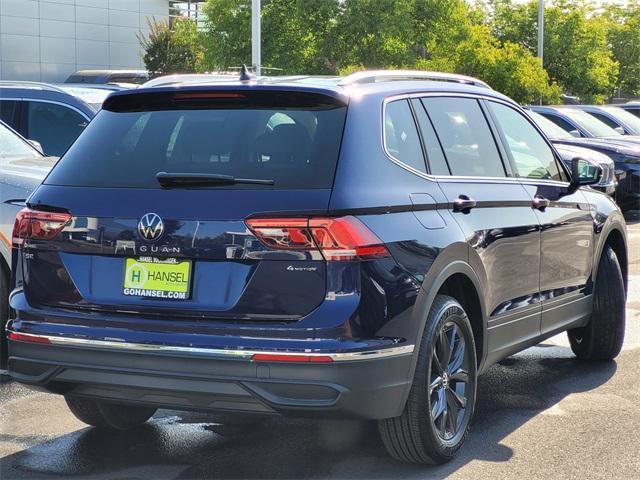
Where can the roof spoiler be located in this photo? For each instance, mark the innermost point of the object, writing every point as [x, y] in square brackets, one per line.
[372, 76]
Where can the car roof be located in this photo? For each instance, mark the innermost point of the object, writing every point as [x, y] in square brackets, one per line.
[44, 91]
[375, 83]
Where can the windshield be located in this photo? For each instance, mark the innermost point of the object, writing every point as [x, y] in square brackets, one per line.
[294, 147]
[12, 146]
[590, 123]
[625, 117]
[549, 128]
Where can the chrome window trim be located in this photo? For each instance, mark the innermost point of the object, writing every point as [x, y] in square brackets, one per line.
[428, 176]
[238, 354]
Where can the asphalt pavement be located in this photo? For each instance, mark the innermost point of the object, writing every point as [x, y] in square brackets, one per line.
[540, 414]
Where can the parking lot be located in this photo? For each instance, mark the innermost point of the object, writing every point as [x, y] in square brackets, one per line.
[540, 414]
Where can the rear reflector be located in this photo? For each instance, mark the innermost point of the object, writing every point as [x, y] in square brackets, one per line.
[342, 238]
[275, 357]
[19, 337]
[37, 225]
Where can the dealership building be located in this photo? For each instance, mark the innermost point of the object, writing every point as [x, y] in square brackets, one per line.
[46, 40]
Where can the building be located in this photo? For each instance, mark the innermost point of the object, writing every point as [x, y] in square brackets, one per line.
[46, 40]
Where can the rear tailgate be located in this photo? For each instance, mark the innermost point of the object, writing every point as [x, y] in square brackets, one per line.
[130, 245]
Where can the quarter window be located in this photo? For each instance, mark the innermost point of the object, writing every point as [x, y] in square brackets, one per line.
[401, 136]
[532, 155]
[464, 134]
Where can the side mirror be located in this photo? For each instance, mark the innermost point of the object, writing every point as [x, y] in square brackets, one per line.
[620, 130]
[583, 173]
[575, 133]
[36, 144]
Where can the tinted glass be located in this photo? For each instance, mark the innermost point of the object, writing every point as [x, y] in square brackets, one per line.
[401, 136]
[559, 122]
[9, 111]
[12, 146]
[435, 158]
[54, 126]
[297, 148]
[549, 128]
[605, 119]
[624, 116]
[465, 136]
[591, 124]
[532, 155]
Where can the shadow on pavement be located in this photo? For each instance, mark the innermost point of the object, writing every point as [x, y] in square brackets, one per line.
[172, 446]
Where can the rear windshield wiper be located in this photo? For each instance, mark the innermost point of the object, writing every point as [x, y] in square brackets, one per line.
[168, 180]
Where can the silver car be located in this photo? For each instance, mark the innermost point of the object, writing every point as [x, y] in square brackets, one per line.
[22, 169]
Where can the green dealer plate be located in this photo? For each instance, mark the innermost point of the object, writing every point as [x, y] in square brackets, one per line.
[167, 278]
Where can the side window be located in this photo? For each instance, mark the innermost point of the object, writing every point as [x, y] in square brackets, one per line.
[435, 158]
[532, 155]
[465, 136]
[605, 119]
[563, 124]
[55, 126]
[401, 135]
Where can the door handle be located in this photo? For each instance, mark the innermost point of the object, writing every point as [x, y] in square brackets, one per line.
[463, 204]
[540, 203]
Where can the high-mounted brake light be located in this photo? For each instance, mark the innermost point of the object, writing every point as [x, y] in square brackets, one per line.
[205, 95]
[37, 225]
[342, 238]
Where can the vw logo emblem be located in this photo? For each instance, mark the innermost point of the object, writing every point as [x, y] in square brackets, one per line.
[151, 227]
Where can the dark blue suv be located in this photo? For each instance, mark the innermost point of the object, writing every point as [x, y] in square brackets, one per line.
[361, 246]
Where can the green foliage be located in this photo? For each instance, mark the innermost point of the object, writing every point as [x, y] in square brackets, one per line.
[576, 50]
[623, 25]
[171, 50]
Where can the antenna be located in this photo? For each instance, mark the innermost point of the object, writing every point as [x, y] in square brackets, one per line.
[245, 76]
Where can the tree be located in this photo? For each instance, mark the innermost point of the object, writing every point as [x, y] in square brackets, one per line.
[623, 34]
[171, 50]
[576, 51]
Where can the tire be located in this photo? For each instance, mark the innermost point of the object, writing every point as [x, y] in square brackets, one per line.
[418, 436]
[108, 416]
[602, 337]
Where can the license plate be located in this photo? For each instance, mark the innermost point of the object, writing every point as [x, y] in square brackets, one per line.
[167, 278]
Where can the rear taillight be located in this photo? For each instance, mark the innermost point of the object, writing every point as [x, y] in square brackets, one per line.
[342, 238]
[37, 225]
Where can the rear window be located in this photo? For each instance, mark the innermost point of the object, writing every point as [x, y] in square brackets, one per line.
[296, 147]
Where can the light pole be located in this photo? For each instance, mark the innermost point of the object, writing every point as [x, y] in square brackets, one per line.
[540, 30]
[255, 36]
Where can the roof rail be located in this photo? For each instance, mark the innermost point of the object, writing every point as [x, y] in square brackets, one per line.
[20, 83]
[372, 76]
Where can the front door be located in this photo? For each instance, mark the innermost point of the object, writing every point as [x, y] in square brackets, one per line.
[567, 224]
[494, 211]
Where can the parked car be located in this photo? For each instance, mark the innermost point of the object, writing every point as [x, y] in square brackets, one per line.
[626, 156]
[631, 107]
[45, 113]
[22, 168]
[581, 124]
[617, 118]
[361, 247]
[608, 181]
[109, 77]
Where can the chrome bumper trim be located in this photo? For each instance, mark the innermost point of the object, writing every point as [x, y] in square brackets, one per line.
[216, 352]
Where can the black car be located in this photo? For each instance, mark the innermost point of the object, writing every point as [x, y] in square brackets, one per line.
[362, 246]
[626, 156]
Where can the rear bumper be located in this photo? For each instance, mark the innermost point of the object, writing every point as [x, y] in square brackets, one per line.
[372, 384]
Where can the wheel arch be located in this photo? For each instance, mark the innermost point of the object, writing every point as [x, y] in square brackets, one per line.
[615, 238]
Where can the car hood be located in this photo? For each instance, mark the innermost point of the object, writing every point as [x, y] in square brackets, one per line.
[568, 152]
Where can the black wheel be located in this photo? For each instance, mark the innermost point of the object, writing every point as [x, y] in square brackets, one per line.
[108, 415]
[436, 418]
[602, 337]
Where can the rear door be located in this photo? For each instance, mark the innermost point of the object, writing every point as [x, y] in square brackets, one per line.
[133, 245]
[494, 211]
[566, 219]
